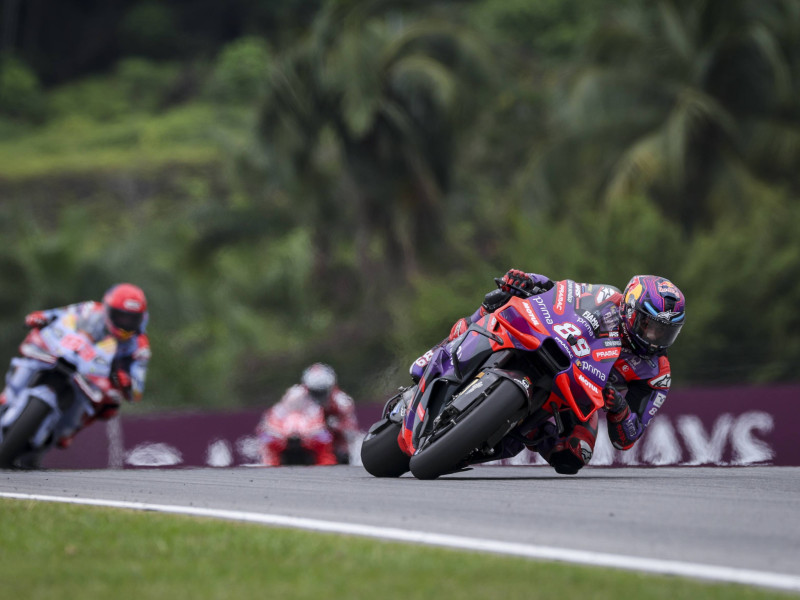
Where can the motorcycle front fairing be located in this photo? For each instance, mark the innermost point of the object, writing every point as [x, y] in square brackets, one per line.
[41, 352]
[90, 358]
[436, 380]
[64, 417]
[452, 366]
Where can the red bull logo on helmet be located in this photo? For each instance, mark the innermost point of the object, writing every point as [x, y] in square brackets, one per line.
[667, 287]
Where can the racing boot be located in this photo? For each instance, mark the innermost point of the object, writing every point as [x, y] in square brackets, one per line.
[570, 453]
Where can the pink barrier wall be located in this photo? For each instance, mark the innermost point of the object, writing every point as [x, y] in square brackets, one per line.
[730, 426]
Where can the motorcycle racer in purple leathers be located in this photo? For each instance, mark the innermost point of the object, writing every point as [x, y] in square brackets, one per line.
[651, 313]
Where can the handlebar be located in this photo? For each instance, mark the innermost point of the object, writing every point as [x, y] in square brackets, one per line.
[534, 291]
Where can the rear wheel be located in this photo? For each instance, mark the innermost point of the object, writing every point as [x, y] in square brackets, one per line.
[447, 454]
[17, 437]
[380, 454]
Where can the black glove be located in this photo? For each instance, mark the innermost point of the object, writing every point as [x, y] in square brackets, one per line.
[516, 280]
[615, 404]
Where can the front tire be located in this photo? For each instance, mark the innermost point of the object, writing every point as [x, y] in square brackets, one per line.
[447, 453]
[380, 454]
[17, 436]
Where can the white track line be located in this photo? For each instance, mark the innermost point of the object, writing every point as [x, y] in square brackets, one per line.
[597, 559]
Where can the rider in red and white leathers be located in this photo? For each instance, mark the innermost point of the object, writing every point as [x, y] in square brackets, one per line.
[318, 383]
[650, 312]
[120, 319]
[294, 431]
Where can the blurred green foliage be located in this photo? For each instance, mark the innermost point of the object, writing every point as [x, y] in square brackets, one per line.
[239, 74]
[21, 95]
[135, 86]
[343, 182]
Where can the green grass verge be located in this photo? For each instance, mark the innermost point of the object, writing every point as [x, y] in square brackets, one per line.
[65, 551]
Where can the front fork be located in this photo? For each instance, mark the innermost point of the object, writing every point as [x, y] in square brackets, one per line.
[396, 407]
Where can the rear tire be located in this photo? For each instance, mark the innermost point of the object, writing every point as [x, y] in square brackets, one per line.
[17, 436]
[380, 454]
[447, 454]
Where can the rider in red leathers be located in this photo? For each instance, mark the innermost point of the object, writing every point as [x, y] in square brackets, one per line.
[121, 318]
[651, 313]
[294, 432]
[318, 383]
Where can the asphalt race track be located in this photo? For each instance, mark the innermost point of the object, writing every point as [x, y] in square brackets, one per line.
[744, 518]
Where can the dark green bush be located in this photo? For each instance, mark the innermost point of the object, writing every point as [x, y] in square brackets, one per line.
[21, 95]
[240, 72]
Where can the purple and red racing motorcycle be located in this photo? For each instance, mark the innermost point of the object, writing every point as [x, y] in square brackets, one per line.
[540, 357]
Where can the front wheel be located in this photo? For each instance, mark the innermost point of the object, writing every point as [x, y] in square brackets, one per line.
[447, 453]
[380, 454]
[17, 437]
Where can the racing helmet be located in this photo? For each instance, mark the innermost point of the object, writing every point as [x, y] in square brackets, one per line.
[653, 313]
[125, 308]
[319, 379]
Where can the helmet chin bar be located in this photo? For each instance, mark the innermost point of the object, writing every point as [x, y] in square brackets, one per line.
[638, 346]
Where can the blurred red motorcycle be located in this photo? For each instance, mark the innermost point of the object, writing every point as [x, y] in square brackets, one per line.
[294, 432]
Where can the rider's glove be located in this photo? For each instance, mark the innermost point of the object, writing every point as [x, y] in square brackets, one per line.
[36, 320]
[614, 403]
[624, 429]
[519, 279]
[624, 426]
[122, 381]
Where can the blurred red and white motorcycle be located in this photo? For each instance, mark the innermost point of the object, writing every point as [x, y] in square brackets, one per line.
[294, 432]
